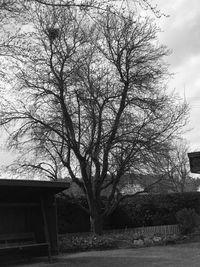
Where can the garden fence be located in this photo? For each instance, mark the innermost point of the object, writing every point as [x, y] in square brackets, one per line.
[146, 231]
[162, 230]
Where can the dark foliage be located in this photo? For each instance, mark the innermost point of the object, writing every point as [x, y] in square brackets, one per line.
[136, 211]
[188, 219]
[156, 209]
[71, 217]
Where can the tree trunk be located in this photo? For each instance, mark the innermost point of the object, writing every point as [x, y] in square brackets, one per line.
[96, 224]
[96, 220]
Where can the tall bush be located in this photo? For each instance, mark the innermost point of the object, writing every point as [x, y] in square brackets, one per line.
[188, 219]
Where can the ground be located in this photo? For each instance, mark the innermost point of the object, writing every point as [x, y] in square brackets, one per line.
[183, 255]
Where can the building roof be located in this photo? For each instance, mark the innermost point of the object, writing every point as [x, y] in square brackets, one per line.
[10, 188]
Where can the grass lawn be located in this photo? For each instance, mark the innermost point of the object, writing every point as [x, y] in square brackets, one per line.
[184, 255]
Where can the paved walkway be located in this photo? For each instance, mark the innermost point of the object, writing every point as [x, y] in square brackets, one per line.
[185, 255]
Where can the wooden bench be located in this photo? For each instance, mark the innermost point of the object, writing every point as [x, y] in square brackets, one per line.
[22, 242]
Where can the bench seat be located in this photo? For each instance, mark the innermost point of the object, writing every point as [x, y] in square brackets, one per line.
[22, 243]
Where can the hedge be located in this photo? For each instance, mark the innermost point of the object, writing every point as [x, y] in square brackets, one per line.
[135, 211]
[152, 210]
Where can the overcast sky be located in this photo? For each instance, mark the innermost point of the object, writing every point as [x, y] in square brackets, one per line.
[181, 33]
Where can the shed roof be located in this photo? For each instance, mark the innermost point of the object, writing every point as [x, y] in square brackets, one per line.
[10, 188]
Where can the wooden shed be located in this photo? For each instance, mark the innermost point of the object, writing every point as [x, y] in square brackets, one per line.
[28, 220]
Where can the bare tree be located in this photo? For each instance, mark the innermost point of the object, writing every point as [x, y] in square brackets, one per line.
[175, 167]
[91, 100]
[170, 169]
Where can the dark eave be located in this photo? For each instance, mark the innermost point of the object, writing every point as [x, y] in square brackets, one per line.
[34, 183]
[194, 154]
[11, 188]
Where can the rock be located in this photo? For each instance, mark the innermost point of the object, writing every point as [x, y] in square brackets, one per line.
[157, 239]
[138, 242]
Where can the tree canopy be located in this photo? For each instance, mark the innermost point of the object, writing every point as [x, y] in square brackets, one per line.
[90, 98]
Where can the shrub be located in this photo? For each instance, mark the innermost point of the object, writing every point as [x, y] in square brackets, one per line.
[188, 219]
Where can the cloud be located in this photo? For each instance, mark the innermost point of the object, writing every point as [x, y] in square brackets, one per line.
[186, 82]
[186, 76]
[181, 31]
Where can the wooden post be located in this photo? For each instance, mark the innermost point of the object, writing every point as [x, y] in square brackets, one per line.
[56, 214]
[46, 231]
